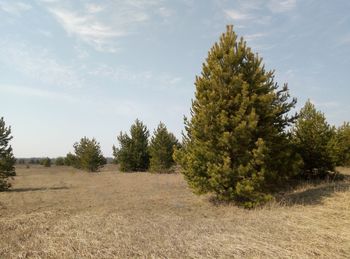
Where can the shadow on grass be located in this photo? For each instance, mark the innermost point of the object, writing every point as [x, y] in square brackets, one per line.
[38, 189]
[313, 193]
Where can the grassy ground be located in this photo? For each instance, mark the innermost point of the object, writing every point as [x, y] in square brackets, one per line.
[61, 212]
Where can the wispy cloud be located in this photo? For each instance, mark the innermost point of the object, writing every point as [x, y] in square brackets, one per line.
[279, 6]
[238, 15]
[99, 26]
[14, 8]
[87, 28]
[39, 64]
[255, 36]
[149, 79]
[251, 11]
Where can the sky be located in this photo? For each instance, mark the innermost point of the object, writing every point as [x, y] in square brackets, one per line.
[71, 68]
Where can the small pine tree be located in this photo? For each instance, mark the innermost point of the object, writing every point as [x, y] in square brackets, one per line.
[132, 154]
[312, 136]
[7, 160]
[161, 149]
[236, 144]
[46, 162]
[59, 161]
[71, 160]
[88, 155]
[343, 145]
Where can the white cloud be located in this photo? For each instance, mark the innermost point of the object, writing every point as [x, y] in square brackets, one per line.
[14, 8]
[94, 8]
[38, 63]
[87, 28]
[100, 27]
[279, 6]
[238, 15]
[255, 36]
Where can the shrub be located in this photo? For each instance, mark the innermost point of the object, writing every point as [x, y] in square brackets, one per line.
[236, 145]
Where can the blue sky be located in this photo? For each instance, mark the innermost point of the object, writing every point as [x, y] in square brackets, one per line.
[89, 68]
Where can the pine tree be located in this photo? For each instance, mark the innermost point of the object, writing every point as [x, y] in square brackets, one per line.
[236, 144]
[88, 155]
[7, 160]
[312, 136]
[71, 160]
[161, 149]
[59, 161]
[343, 144]
[132, 154]
[46, 162]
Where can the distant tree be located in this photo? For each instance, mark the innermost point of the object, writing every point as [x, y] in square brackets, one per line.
[71, 160]
[161, 149]
[132, 154]
[88, 155]
[20, 161]
[59, 161]
[236, 143]
[46, 162]
[312, 136]
[7, 160]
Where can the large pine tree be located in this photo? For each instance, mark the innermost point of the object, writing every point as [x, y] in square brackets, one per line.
[236, 144]
[7, 160]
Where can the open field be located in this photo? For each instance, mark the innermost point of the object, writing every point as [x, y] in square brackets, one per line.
[61, 212]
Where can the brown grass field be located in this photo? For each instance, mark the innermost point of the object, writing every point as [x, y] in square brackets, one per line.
[61, 212]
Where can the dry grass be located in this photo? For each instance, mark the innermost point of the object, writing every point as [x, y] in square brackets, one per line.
[61, 212]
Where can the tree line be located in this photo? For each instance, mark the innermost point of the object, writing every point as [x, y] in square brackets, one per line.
[241, 143]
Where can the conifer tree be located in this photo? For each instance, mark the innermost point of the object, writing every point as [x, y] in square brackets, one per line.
[132, 154]
[7, 160]
[343, 145]
[236, 144]
[46, 162]
[88, 155]
[161, 149]
[312, 136]
[71, 160]
[59, 161]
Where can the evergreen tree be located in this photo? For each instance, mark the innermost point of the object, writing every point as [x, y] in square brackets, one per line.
[161, 149]
[46, 162]
[132, 154]
[88, 155]
[7, 160]
[236, 144]
[343, 145]
[312, 137]
[71, 160]
[59, 161]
